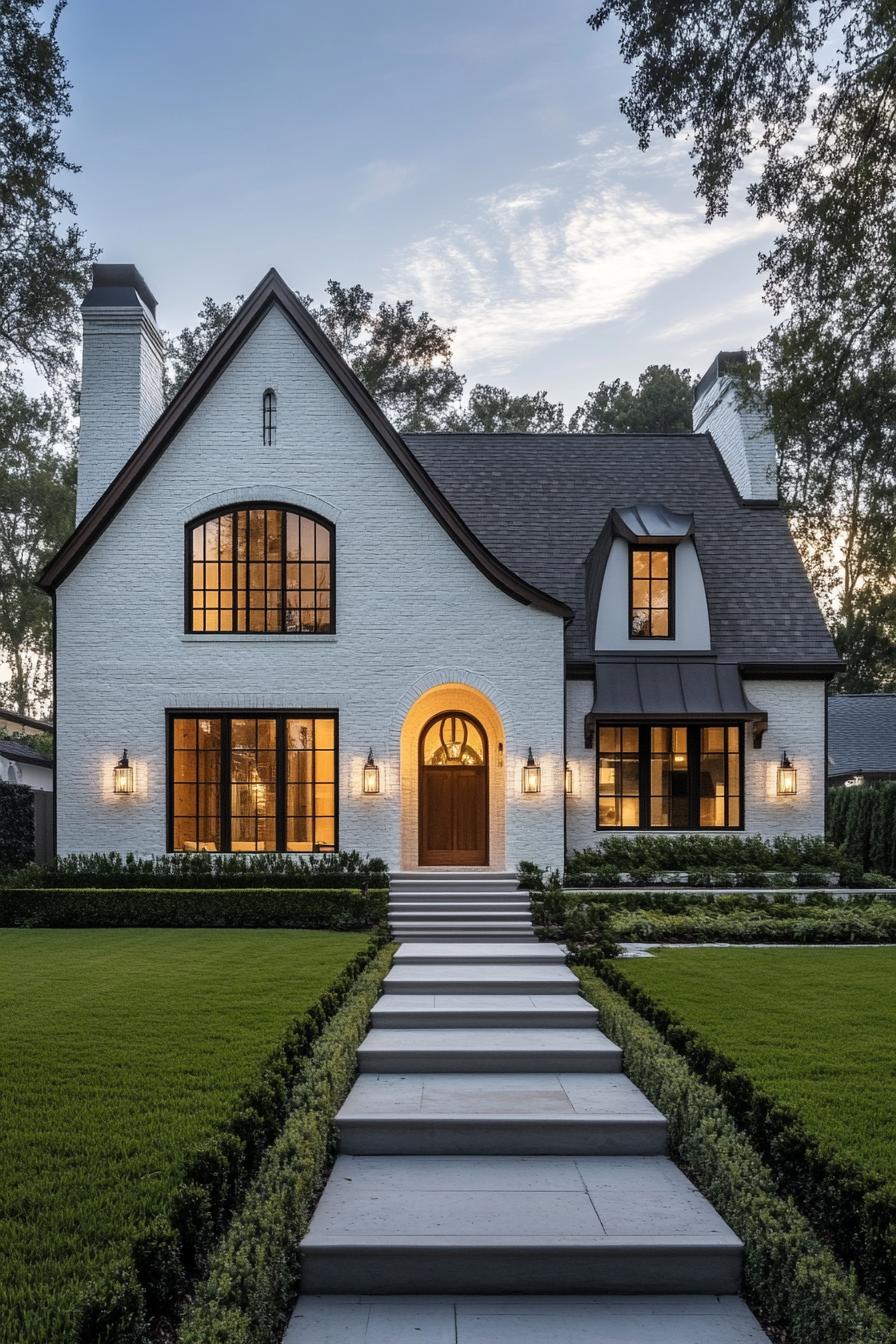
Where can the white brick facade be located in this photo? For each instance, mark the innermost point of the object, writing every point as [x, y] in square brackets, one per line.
[742, 437]
[411, 609]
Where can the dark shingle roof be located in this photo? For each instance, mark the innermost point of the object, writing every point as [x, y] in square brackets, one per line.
[539, 501]
[862, 734]
[18, 751]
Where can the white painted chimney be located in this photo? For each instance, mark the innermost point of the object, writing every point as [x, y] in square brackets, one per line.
[741, 432]
[121, 377]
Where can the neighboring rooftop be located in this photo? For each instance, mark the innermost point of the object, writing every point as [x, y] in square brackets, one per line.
[861, 735]
[539, 502]
[25, 755]
[20, 723]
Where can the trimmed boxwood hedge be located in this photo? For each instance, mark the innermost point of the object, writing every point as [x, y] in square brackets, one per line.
[791, 1280]
[863, 822]
[347, 868]
[254, 1272]
[852, 1211]
[145, 1301]
[266, 908]
[875, 923]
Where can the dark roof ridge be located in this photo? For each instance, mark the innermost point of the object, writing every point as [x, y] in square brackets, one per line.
[556, 434]
[271, 290]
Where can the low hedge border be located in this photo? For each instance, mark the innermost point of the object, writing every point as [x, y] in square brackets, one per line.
[791, 1280]
[343, 869]
[854, 1213]
[254, 1272]
[675, 901]
[144, 1301]
[169, 908]
[814, 925]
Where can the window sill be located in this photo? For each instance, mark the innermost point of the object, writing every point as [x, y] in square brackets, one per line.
[215, 637]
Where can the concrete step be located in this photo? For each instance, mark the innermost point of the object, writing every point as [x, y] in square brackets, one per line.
[451, 913]
[425, 952]
[449, 905]
[519, 1319]
[437, 924]
[450, 978]
[488, 1050]
[502, 1114]
[477, 937]
[482, 1010]
[512, 1224]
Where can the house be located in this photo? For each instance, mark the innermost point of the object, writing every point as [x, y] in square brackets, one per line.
[22, 764]
[861, 738]
[280, 625]
[22, 725]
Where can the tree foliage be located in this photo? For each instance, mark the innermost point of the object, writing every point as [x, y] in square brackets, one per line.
[660, 404]
[37, 495]
[44, 263]
[494, 410]
[803, 95]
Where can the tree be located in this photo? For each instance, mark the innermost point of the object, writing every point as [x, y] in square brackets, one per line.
[806, 94]
[494, 410]
[661, 404]
[37, 506]
[44, 264]
[403, 358]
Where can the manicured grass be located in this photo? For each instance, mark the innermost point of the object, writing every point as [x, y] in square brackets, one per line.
[814, 1027]
[120, 1052]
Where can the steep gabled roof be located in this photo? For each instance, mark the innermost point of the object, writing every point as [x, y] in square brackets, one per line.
[862, 735]
[272, 291]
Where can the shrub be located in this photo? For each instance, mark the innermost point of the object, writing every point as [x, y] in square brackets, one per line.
[16, 826]
[790, 1278]
[207, 870]
[146, 1300]
[875, 923]
[583, 925]
[863, 822]
[253, 1274]
[852, 1211]
[267, 908]
[728, 853]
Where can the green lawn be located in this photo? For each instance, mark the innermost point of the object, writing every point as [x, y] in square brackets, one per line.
[816, 1027]
[120, 1051]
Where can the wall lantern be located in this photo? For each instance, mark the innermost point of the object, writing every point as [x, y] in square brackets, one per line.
[786, 777]
[123, 775]
[371, 782]
[531, 775]
[568, 780]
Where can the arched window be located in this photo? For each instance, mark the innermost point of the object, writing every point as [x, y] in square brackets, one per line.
[269, 416]
[261, 568]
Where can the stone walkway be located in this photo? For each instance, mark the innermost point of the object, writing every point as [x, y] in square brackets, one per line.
[500, 1180]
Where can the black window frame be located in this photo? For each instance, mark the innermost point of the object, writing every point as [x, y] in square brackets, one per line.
[226, 716]
[231, 510]
[269, 417]
[693, 769]
[638, 547]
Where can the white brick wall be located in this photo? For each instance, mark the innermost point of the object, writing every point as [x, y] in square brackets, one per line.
[742, 437]
[796, 718]
[409, 605]
[121, 394]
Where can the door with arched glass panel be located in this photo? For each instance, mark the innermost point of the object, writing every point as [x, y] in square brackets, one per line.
[453, 791]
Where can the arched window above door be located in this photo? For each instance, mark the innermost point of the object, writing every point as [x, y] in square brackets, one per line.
[453, 739]
[260, 568]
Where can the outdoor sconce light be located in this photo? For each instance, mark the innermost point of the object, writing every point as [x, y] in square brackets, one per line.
[786, 777]
[123, 775]
[371, 782]
[568, 780]
[531, 775]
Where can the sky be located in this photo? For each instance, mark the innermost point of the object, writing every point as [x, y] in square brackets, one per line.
[471, 157]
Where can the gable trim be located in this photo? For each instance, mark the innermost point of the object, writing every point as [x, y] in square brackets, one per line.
[272, 291]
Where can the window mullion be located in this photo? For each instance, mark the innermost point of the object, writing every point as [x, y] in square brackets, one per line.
[280, 790]
[644, 776]
[225, 784]
[693, 778]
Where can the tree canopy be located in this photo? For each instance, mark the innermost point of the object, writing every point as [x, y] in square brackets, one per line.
[660, 404]
[802, 97]
[494, 410]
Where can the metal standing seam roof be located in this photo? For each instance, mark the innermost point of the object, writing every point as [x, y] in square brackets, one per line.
[660, 688]
[539, 502]
[861, 734]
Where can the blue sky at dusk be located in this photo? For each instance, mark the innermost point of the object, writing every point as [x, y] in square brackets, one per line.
[471, 157]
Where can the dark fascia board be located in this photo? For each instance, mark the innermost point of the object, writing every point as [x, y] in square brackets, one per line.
[791, 671]
[274, 290]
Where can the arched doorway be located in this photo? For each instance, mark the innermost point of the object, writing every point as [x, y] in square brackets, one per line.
[453, 791]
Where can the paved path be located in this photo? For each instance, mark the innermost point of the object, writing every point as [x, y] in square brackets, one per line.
[500, 1180]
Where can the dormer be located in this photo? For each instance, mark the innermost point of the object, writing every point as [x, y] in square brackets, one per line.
[645, 585]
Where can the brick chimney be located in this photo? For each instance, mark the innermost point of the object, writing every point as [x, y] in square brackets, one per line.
[741, 433]
[121, 376]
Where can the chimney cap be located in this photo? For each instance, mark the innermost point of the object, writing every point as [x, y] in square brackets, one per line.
[718, 368]
[119, 286]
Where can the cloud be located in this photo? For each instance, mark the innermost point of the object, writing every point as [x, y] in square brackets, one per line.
[533, 264]
[382, 178]
[748, 305]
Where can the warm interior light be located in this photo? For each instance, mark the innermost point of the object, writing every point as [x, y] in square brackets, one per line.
[786, 777]
[123, 775]
[531, 775]
[567, 779]
[371, 782]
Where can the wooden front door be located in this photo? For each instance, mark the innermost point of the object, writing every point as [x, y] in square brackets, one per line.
[453, 791]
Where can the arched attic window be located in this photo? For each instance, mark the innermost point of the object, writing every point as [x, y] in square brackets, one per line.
[260, 568]
[269, 416]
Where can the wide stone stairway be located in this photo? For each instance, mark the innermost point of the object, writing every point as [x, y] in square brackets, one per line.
[499, 1178]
